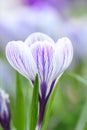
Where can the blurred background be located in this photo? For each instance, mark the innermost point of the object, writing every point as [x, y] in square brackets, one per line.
[56, 18]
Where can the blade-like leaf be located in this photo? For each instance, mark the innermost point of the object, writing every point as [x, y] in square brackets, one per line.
[83, 118]
[20, 106]
[34, 105]
[0, 128]
[48, 108]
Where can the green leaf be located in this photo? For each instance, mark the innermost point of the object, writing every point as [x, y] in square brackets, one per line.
[20, 106]
[79, 78]
[83, 118]
[34, 105]
[1, 128]
[48, 108]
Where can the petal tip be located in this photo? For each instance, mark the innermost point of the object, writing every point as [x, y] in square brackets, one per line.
[38, 37]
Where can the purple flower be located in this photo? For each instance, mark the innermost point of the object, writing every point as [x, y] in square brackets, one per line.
[14, 26]
[76, 30]
[40, 55]
[4, 110]
[58, 4]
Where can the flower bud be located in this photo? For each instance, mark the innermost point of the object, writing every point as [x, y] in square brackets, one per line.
[4, 110]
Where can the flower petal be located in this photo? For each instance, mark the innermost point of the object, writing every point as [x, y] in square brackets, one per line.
[43, 55]
[20, 57]
[61, 59]
[35, 37]
[65, 49]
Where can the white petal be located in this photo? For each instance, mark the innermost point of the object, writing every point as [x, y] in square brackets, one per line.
[4, 95]
[4, 100]
[63, 55]
[35, 37]
[20, 57]
[43, 55]
[61, 59]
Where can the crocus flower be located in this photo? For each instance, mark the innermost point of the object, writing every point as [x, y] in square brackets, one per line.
[4, 110]
[40, 55]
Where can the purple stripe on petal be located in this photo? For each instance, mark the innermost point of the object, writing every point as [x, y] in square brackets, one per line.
[51, 88]
[43, 64]
[43, 56]
[49, 62]
[19, 56]
[37, 63]
[62, 56]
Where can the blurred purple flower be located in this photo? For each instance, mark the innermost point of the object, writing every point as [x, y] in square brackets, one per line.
[19, 22]
[57, 4]
[4, 110]
[40, 55]
[7, 83]
[76, 30]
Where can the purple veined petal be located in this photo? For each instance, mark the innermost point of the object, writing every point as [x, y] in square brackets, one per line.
[20, 57]
[53, 75]
[67, 50]
[43, 55]
[36, 37]
[61, 59]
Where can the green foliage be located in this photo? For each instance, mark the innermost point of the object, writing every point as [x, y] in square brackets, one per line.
[66, 108]
[82, 119]
[34, 105]
[0, 128]
[79, 78]
[20, 106]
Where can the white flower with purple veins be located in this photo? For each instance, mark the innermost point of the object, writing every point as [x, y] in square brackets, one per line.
[39, 54]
